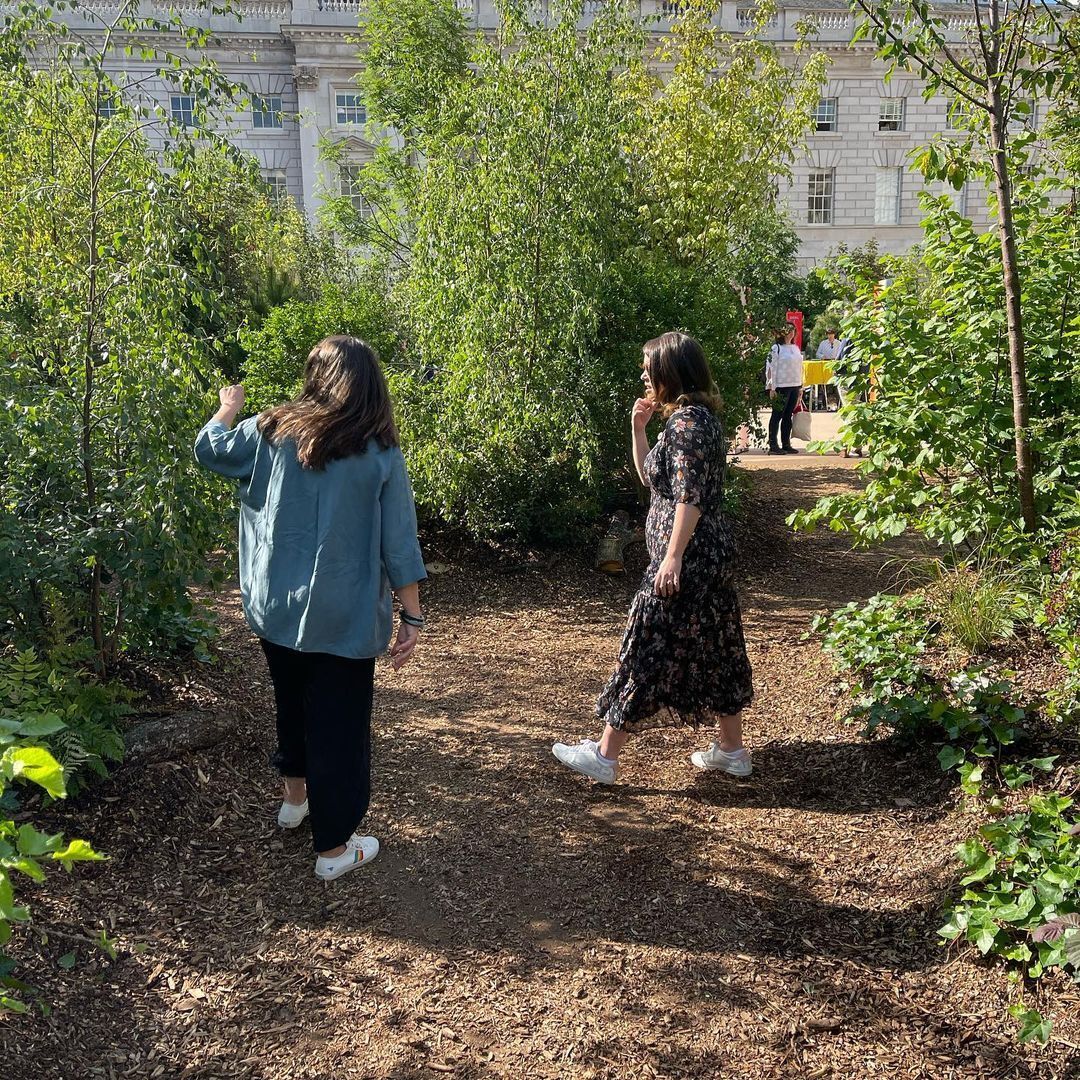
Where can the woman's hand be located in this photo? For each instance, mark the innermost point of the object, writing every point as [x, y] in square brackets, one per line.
[232, 397]
[642, 413]
[401, 653]
[666, 582]
[232, 401]
[772, 393]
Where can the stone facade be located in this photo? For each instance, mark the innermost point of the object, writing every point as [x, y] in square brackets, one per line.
[854, 183]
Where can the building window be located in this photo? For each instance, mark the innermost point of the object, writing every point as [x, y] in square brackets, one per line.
[887, 197]
[891, 114]
[108, 104]
[819, 207]
[350, 189]
[350, 109]
[266, 110]
[1025, 116]
[182, 107]
[960, 199]
[825, 114]
[277, 185]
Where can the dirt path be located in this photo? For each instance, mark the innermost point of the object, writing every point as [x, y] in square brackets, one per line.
[520, 921]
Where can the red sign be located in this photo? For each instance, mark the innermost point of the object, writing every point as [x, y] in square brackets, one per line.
[796, 318]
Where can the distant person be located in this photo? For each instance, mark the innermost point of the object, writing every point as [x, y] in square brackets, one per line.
[829, 350]
[683, 659]
[784, 381]
[327, 531]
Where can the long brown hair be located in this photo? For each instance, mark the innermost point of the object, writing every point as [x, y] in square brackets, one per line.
[344, 403]
[679, 374]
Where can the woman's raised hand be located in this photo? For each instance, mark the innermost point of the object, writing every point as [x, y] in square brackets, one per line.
[232, 397]
[642, 412]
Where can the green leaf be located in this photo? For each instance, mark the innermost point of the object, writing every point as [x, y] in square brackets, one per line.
[950, 757]
[67, 961]
[77, 851]
[1032, 1025]
[34, 843]
[39, 726]
[984, 938]
[35, 764]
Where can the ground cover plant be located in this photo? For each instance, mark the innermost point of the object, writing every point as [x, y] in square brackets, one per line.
[1018, 897]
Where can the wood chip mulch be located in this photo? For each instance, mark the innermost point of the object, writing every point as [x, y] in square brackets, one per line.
[521, 922]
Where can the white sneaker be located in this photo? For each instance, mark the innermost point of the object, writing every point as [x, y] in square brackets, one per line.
[585, 759]
[359, 851]
[290, 815]
[737, 763]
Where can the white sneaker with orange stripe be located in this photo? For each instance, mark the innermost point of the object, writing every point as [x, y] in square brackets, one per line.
[359, 851]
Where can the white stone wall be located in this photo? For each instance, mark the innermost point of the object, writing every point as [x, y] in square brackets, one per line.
[857, 149]
[301, 50]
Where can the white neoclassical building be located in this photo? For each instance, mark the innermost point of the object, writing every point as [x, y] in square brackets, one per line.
[855, 182]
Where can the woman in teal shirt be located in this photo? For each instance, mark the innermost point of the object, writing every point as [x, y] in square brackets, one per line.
[327, 534]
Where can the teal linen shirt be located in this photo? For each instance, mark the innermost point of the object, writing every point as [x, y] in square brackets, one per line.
[320, 550]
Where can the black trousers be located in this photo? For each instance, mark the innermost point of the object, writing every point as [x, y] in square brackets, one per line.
[787, 397]
[324, 734]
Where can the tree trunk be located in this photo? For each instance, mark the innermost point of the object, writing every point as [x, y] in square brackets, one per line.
[87, 418]
[1011, 275]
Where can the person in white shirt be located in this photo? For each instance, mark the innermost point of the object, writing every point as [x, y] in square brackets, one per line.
[784, 381]
[829, 349]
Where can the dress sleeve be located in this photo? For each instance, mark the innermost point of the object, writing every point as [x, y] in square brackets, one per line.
[688, 462]
[400, 548]
[229, 452]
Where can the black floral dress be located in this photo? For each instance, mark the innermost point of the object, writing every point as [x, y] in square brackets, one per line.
[683, 658]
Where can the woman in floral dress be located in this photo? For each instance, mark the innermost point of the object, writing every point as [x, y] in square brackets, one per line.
[683, 658]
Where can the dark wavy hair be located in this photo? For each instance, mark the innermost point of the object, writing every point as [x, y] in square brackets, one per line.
[344, 403]
[679, 374]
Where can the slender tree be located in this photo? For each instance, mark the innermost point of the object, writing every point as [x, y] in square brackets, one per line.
[992, 63]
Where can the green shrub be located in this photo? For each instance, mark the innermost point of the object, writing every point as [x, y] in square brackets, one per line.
[549, 204]
[1060, 620]
[879, 647]
[1021, 895]
[977, 605]
[117, 264]
[75, 714]
[277, 348]
[23, 849]
[938, 416]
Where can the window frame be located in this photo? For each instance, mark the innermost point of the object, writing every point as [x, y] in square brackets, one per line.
[362, 207]
[342, 110]
[109, 105]
[826, 101]
[885, 122]
[277, 184]
[824, 212]
[178, 113]
[891, 214]
[263, 119]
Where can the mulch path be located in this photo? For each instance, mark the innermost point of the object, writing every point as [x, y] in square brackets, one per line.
[521, 922]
